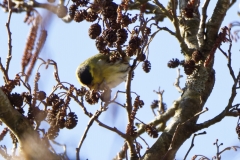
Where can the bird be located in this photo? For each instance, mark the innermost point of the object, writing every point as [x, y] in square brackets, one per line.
[99, 73]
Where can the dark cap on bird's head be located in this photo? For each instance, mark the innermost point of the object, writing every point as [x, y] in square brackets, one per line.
[85, 75]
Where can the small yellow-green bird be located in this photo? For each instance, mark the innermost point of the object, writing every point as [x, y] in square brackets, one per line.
[98, 73]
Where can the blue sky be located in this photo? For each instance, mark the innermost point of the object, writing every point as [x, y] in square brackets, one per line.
[68, 44]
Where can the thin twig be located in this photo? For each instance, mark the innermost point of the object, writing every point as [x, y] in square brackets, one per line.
[62, 145]
[161, 109]
[177, 82]
[144, 141]
[221, 115]
[128, 91]
[9, 57]
[95, 116]
[230, 59]
[229, 148]
[165, 29]
[175, 22]
[202, 25]
[224, 53]
[232, 3]
[114, 129]
[202, 156]
[5, 75]
[192, 143]
[171, 147]
[163, 9]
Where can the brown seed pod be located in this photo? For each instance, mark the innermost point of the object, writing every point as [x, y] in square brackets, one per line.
[101, 43]
[189, 67]
[134, 43]
[80, 15]
[197, 56]
[146, 66]
[110, 11]
[110, 35]
[173, 63]
[92, 96]
[94, 31]
[122, 36]
[151, 131]
[72, 10]
[125, 21]
[91, 16]
[71, 120]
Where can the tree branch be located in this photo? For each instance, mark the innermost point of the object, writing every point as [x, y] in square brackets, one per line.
[30, 143]
[202, 25]
[9, 57]
[192, 143]
[177, 82]
[225, 112]
[92, 119]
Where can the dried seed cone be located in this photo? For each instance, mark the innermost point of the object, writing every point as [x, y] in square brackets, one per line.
[154, 104]
[101, 44]
[173, 63]
[110, 35]
[80, 15]
[71, 120]
[147, 30]
[82, 3]
[189, 67]
[91, 16]
[151, 131]
[114, 57]
[114, 25]
[92, 97]
[16, 99]
[41, 95]
[94, 31]
[134, 43]
[125, 21]
[130, 52]
[122, 36]
[238, 130]
[146, 66]
[141, 57]
[72, 10]
[110, 10]
[197, 56]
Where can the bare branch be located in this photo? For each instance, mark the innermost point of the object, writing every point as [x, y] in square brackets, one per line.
[201, 30]
[232, 3]
[177, 82]
[224, 53]
[5, 74]
[163, 118]
[230, 59]
[181, 126]
[95, 116]
[202, 157]
[160, 101]
[220, 116]
[122, 153]
[9, 57]
[163, 9]
[165, 29]
[192, 143]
